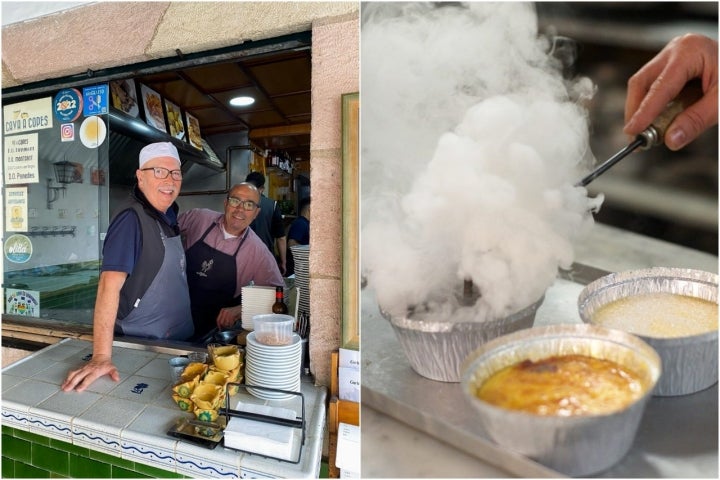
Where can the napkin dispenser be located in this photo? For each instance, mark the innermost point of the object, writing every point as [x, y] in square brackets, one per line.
[265, 430]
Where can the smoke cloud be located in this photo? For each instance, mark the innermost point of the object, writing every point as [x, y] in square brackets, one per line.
[472, 141]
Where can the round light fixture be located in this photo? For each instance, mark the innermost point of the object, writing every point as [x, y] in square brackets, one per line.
[242, 101]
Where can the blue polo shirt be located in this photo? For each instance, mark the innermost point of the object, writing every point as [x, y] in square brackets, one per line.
[123, 241]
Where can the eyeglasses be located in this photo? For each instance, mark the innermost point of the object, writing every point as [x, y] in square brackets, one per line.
[162, 173]
[246, 204]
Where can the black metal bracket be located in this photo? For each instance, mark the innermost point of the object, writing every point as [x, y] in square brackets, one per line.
[298, 422]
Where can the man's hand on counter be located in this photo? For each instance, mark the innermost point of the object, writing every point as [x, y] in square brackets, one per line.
[81, 378]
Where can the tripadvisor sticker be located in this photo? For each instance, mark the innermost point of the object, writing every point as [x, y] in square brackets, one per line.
[68, 105]
[18, 249]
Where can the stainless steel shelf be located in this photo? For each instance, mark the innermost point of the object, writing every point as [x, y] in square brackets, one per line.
[693, 209]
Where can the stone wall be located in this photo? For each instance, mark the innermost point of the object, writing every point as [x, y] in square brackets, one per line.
[335, 60]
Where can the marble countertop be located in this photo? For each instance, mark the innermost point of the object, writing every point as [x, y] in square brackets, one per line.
[424, 455]
[130, 419]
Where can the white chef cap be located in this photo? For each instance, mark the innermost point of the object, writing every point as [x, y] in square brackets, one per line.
[159, 149]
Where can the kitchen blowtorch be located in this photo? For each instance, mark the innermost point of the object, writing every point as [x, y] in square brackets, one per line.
[655, 133]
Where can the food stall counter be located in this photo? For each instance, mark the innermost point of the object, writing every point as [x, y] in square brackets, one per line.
[129, 420]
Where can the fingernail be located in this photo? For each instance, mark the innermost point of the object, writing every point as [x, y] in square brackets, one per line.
[676, 139]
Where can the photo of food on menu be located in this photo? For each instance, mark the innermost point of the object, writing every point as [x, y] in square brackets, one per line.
[153, 108]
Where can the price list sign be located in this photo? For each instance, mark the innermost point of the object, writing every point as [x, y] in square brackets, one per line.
[21, 159]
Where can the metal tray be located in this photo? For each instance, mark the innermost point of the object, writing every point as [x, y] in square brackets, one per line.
[677, 437]
[185, 429]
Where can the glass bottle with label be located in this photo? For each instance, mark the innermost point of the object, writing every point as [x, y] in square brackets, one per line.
[279, 305]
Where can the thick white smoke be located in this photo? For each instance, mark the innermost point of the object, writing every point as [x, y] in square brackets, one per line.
[471, 144]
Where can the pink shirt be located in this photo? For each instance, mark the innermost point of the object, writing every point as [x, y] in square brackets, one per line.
[254, 261]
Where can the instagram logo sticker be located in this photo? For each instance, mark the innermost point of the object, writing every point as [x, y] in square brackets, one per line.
[67, 132]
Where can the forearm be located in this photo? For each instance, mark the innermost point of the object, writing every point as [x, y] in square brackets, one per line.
[106, 308]
[281, 243]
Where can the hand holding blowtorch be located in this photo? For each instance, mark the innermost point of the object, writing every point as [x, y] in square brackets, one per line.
[654, 85]
[655, 133]
[689, 65]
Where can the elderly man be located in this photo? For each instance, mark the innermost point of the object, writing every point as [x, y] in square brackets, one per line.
[223, 256]
[142, 289]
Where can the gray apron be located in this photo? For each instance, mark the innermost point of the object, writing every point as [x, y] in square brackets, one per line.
[164, 310]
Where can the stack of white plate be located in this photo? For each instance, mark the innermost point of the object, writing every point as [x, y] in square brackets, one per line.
[256, 301]
[301, 255]
[273, 366]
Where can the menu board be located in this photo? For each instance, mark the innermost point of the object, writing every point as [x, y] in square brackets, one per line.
[124, 96]
[152, 104]
[175, 120]
[193, 127]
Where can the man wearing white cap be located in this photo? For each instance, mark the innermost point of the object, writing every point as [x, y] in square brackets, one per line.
[142, 290]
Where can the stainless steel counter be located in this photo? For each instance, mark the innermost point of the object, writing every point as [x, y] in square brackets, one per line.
[678, 436]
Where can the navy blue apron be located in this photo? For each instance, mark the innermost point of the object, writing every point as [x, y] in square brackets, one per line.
[212, 279]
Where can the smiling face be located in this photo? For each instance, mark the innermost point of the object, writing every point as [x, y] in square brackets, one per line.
[160, 192]
[237, 219]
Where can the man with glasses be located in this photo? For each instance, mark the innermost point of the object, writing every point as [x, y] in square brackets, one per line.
[224, 255]
[142, 290]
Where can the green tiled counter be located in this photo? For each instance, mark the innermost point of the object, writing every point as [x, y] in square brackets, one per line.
[118, 429]
[29, 455]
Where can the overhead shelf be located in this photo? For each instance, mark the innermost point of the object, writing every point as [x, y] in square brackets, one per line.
[124, 124]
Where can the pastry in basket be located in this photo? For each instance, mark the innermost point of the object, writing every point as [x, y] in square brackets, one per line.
[184, 403]
[207, 396]
[226, 357]
[194, 369]
[185, 386]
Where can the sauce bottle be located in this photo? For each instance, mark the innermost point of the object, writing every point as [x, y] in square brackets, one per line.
[279, 305]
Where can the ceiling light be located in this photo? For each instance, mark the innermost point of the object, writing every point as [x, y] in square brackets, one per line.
[242, 101]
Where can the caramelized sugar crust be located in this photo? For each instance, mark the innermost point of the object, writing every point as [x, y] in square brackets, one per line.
[565, 385]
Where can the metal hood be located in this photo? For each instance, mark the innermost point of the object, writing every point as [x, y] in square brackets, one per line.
[128, 135]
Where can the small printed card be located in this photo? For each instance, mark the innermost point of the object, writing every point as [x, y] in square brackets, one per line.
[349, 359]
[348, 450]
[349, 384]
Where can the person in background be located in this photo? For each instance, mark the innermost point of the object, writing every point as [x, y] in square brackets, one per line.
[224, 255]
[269, 223]
[142, 290]
[659, 81]
[298, 233]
